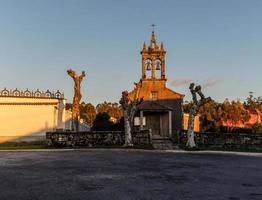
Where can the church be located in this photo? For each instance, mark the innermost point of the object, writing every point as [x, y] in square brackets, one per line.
[162, 108]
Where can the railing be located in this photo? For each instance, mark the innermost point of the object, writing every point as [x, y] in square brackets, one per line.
[33, 94]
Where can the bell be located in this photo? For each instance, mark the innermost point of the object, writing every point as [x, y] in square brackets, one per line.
[157, 66]
[148, 66]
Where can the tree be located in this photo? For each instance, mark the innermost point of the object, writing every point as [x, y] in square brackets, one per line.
[113, 109]
[102, 122]
[229, 114]
[193, 111]
[129, 107]
[210, 115]
[120, 125]
[87, 113]
[233, 113]
[253, 103]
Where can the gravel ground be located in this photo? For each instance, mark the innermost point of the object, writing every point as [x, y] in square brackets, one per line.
[122, 174]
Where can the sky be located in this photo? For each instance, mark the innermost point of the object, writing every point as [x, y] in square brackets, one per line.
[214, 43]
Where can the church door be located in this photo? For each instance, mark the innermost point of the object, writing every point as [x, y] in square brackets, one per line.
[153, 123]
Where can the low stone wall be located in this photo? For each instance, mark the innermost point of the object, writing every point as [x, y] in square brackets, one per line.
[95, 138]
[228, 140]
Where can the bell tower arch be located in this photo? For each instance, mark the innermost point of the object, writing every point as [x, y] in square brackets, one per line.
[153, 60]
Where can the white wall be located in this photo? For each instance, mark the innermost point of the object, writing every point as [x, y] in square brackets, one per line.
[30, 118]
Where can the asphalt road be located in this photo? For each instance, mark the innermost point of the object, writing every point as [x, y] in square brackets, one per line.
[111, 174]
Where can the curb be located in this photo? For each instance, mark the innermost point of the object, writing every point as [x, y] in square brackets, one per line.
[141, 150]
[217, 152]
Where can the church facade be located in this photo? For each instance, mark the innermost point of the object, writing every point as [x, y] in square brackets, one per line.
[161, 109]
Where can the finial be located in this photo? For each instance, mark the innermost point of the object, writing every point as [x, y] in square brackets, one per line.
[162, 46]
[153, 40]
[144, 47]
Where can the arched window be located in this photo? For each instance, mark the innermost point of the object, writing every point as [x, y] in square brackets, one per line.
[148, 66]
[158, 66]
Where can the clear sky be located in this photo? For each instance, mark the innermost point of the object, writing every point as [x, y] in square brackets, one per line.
[215, 43]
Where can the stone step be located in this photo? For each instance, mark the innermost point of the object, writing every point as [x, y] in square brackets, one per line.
[163, 144]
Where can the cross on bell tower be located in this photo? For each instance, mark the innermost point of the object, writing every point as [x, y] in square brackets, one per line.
[153, 59]
[153, 27]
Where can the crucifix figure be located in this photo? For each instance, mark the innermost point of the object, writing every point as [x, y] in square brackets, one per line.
[77, 97]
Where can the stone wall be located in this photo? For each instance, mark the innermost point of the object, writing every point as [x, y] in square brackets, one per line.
[228, 140]
[95, 138]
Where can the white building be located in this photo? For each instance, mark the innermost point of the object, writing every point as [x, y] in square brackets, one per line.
[27, 116]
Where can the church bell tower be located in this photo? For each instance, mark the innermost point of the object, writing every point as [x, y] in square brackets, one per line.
[153, 60]
[161, 109]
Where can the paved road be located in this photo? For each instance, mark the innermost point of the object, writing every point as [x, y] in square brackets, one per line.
[110, 174]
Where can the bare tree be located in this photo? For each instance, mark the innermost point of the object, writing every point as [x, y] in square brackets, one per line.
[129, 108]
[77, 98]
[193, 111]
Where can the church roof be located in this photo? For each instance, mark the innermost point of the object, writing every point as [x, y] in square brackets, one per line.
[153, 106]
[144, 90]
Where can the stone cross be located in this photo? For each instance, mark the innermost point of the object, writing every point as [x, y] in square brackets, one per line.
[77, 97]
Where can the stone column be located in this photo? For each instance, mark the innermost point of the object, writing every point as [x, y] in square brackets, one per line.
[153, 70]
[141, 120]
[143, 69]
[161, 131]
[170, 123]
[55, 118]
[61, 114]
[163, 75]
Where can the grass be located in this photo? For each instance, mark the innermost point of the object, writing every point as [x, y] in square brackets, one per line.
[43, 145]
[17, 146]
